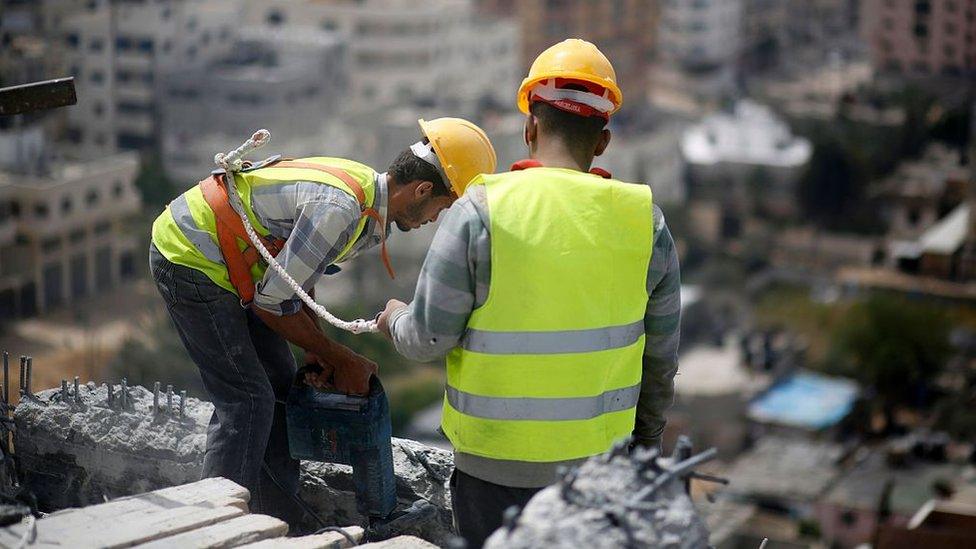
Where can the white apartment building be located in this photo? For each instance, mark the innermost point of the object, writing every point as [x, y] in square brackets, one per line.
[62, 224]
[699, 43]
[745, 158]
[117, 50]
[436, 52]
[290, 81]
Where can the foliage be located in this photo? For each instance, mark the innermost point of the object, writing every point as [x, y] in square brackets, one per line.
[893, 345]
[156, 189]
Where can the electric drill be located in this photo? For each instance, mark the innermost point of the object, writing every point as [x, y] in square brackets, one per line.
[352, 430]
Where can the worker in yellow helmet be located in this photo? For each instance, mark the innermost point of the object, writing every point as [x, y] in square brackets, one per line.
[553, 292]
[235, 316]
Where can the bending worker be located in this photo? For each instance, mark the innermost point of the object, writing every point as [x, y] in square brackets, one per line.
[235, 316]
[553, 290]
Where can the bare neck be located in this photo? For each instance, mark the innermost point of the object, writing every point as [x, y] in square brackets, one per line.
[553, 154]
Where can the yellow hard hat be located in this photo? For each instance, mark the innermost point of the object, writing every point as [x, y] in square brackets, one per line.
[574, 59]
[462, 149]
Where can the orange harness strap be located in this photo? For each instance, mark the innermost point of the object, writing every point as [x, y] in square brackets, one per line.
[230, 228]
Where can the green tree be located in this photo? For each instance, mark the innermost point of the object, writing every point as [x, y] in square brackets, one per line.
[894, 346]
[153, 184]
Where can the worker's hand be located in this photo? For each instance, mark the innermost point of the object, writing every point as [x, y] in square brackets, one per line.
[352, 372]
[383, 322]
[321, 379]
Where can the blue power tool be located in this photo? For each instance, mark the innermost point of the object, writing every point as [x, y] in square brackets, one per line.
[340, 428]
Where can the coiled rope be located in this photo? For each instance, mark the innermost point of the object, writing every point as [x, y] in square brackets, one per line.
[234, 162]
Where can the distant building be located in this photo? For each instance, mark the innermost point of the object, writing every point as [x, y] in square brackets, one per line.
[922, 38]
[625, 30]
[804, 402]
[62, 224]
[118, 51]
[651, 156]
[849, 512]
[437, 52]
[743, 162]
[292, 82]
[929, 206]
[796, 32]
[786, 474]
[699, 44]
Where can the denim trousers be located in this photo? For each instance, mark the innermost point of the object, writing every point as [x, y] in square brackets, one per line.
[247, 369]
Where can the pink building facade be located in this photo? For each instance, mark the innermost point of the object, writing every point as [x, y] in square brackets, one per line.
[921, 37]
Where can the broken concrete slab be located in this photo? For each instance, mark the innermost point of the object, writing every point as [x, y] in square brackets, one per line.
[230, 533]
[74, 454]
[611, 501]
[325, 540]
[160, 513]
[422, 473]
[401, 542]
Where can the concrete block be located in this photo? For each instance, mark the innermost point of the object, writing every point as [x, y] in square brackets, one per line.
[230, 533]
[326, 540]
[401, 542]
[74, 454]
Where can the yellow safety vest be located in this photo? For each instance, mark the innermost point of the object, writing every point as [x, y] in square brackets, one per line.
[186, 234]
[549, 368]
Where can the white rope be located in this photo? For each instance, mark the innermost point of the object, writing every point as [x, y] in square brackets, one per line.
[233, 162]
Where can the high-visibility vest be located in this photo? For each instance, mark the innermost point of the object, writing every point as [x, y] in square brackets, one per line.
[549, 368]
[186, 234]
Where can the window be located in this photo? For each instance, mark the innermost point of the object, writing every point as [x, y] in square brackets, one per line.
[921, 67]
[98, 109]
[97, 77]
[123, 43]
[51, 244]
[949, 50]
[74, 134]
[923, 7]
[76, 236]
[146, 45]
[921, 30]
[191, 23]
[117, 189]
[41, 210]
[96, 45]
[91, 198]
[72, 40]
[950, 28]
[102, 227]
[950, 6]
[66, 205]
[274, 17]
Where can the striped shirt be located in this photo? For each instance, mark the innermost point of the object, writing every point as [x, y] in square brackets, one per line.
[454, 281]
[316, 222]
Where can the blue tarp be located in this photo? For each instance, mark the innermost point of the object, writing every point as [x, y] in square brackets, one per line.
[806, 400]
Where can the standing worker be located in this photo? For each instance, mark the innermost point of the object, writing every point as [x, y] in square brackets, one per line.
[553, 290]
[235, 316]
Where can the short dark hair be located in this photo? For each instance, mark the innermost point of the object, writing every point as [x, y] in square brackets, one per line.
[579, 133]
[407, 167]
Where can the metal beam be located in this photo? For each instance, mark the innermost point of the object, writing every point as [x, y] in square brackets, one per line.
[38, 96]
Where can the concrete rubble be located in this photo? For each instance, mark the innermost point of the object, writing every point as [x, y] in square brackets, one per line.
[76, 450]
[612, 501]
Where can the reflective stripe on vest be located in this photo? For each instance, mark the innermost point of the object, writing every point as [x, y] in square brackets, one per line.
[546, 409]
[549, 368]
[185, 233]
[547, 343]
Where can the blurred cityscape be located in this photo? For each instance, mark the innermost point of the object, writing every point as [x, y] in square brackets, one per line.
[814, 160]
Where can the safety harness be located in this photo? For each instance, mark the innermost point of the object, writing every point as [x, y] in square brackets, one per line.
[230, 227]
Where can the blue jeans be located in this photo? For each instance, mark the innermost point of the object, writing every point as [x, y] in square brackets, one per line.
[247, 370]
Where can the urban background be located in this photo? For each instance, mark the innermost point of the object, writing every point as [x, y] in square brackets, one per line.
[814, 160]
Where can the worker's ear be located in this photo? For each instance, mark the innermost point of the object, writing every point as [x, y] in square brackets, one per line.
[423, 189]
[601, 145]
[530, 130]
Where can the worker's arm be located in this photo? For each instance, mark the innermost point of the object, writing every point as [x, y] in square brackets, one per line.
[453, 281]
[351, 369]
[323, 225]
[662, 328]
